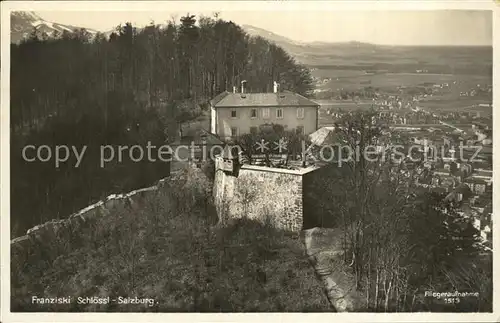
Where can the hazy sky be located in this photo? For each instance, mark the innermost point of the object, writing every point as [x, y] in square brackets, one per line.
[430, 27]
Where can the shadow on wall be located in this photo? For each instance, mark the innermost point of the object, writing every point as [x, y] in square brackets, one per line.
[319, 187]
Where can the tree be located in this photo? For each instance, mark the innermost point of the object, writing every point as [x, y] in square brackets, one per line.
[188, 37]
[187, 111]
[398, 240]
[79, 89]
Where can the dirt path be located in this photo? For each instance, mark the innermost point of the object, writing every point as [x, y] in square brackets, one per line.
[323, 246]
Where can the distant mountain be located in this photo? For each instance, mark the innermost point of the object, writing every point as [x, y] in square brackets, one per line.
[282, 40]
[293, 47]
[278, 39]
[308, 52]
[22, 23]
[352, 43]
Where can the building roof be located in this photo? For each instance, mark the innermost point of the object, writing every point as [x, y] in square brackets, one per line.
[285, 99]
[438, 189]
[204, 136]
[482, 173]
[474, 180]
[482, 202]
[441, 171]
[201, 136]
[325, 136]
[463, 189]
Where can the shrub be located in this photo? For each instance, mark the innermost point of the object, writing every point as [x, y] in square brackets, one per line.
[208, 168]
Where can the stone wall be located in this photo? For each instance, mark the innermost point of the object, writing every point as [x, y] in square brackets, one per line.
[57, 231]
[271, 195]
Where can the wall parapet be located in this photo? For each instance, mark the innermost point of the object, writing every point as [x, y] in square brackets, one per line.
[52, 228]
[300, 171]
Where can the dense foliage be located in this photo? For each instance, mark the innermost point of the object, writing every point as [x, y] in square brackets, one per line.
[72, 74]
[136, 86]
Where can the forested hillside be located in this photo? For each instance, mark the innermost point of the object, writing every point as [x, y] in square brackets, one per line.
[136, 86]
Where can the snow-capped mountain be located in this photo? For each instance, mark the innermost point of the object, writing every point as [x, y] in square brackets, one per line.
[22, 23]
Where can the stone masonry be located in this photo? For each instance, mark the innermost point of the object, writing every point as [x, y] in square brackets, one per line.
[270, 195]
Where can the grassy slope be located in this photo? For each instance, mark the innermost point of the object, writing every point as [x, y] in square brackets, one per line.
[173, 251]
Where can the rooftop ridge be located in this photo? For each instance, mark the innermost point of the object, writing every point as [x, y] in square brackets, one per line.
[219, 97]
[300, 95]
[250, 99]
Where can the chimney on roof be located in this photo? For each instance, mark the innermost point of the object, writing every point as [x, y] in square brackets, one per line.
[276, 87]
[243, 83]
[234, 89]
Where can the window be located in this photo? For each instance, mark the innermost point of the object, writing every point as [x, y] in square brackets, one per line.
[234, 131]
[300, 113]
[253, 113]
[279, 113]
[253, 130]
[233, 113]
[265, 113]
[300, 130]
